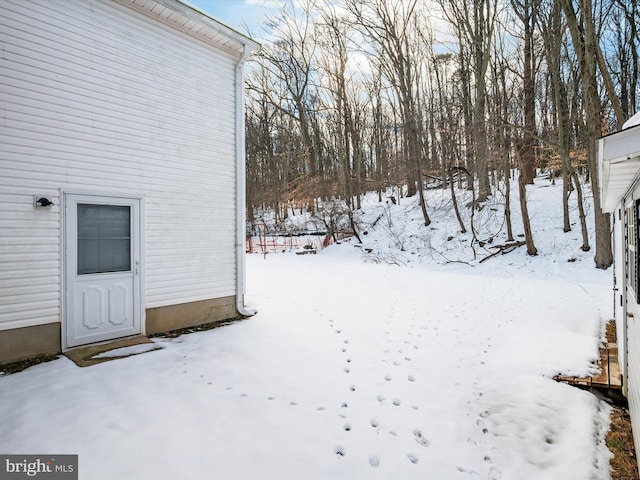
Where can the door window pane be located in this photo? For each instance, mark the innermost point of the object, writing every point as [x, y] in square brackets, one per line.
[104, 238]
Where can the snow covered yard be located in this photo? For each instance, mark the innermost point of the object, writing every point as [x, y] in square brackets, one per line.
[350, 370]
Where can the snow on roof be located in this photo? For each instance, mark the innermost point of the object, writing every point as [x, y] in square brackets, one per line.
[619, 162]
[632, 122]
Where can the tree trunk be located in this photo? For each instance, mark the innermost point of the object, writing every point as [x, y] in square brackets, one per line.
[507, 206]
[526, 11]
[528, 234]
[455, 203]
[551, 31]
[583, 218]
[584, 43]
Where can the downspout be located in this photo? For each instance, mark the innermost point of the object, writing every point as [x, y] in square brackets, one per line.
[623, 301]
[620, 289]
[240, 185]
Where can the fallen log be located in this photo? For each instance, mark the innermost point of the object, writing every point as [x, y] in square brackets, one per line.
[503, 249]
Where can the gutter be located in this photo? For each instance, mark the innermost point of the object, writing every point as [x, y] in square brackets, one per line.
[241, 182]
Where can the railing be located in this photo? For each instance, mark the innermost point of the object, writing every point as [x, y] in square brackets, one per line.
[265, 242]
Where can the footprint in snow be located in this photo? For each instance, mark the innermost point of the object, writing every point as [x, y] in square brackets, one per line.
[374, 423]
[339, 451]
[347, 427]
[412, 458]
[396, 402]
[387, 378]
[420, 439]
[411, 378]
[464, 470]
[346, 370]
[374, 461]
[380, 398]
[352, 388]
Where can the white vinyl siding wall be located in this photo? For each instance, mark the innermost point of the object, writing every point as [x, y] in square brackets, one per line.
[95, 97]
[631, 349]
[633, 374]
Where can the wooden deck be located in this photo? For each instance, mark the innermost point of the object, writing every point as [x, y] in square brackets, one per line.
[609, 376]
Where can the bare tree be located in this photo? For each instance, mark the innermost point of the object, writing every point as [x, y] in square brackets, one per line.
[583, 34]
[334, 63]
[527, 11]
[291, 62]
[475, 22]
[552, 31]
[625, 44]
[503, 133]
[388, 25]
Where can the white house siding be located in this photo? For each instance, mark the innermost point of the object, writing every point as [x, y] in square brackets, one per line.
[95, 97]
[633, 363]
[633, 376]
[631, 316]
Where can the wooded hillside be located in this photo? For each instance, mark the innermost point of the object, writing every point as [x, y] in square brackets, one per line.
[353, 96]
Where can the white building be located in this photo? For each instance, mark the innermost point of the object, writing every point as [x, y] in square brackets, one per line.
[127, 116]
[619, 170]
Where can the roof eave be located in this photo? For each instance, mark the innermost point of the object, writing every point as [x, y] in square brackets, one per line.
[618, 166]
[188, 19]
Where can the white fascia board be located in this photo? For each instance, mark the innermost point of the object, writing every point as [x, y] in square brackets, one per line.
[618, 165]
[180, 15]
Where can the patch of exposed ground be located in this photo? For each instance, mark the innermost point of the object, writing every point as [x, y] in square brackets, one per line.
[16, 367]
[624, 465]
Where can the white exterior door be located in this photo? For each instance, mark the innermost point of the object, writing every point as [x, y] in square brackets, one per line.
[102, 265]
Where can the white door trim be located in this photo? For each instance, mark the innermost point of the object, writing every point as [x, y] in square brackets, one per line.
[70, 200]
